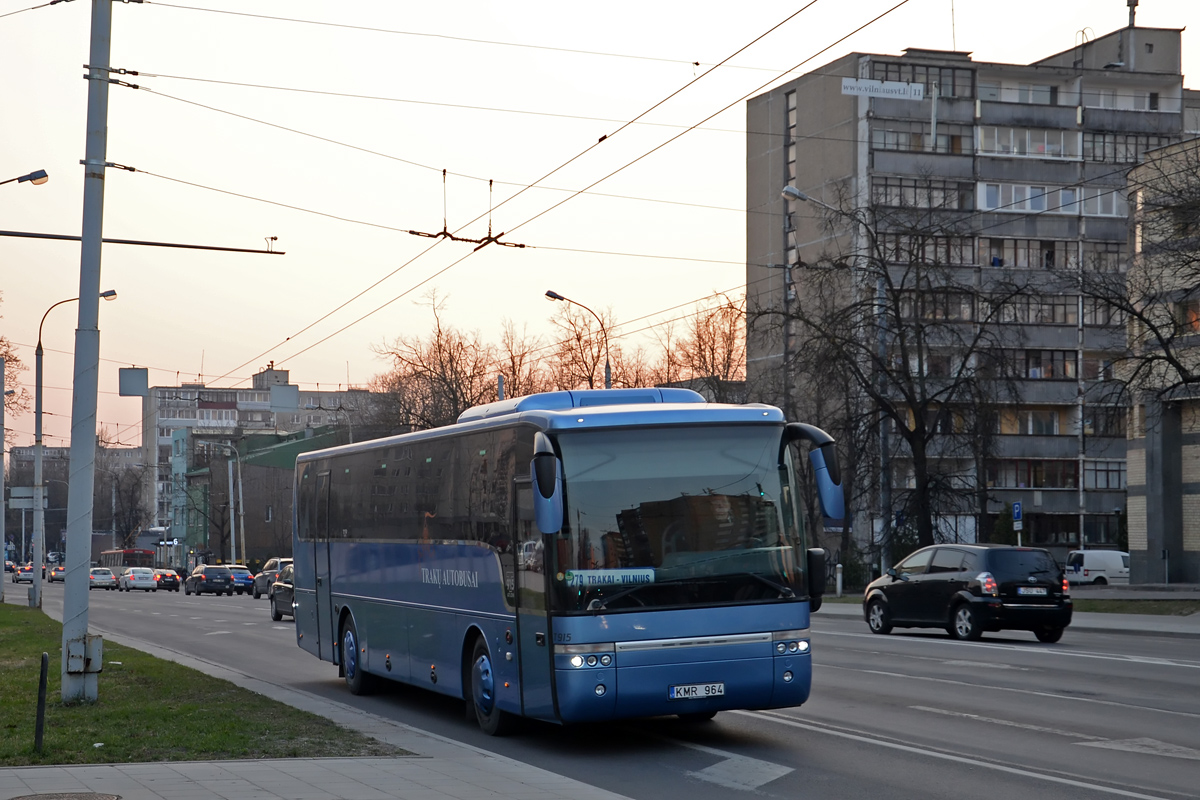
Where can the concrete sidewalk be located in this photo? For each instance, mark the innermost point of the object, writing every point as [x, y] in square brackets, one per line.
[440, 769]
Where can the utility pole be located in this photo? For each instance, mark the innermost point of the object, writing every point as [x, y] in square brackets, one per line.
[3, 505]
[81, 654]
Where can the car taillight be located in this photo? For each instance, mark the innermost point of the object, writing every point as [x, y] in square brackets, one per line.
[1066, 586]
[987, 583]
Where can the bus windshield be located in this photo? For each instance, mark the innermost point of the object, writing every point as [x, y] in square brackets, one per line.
[673, 518]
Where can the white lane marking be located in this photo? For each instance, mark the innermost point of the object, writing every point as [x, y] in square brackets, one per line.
[978, 664]
[283, 628]
[1029, 692]
[971, 762]
[1030, 649]
[249, 623]
[1009, 723]
[735, 772]
[215, 633]
[1146, 746]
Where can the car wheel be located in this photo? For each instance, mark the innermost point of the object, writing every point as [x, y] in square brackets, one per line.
[275, 615]
[878, 619]
[257, 593]
[230, 593]
[187, 590]
[1048, 635]
[964, 624]
[1100, 581]
[357, 679]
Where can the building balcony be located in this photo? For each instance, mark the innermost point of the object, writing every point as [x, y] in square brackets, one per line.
[921, 163]
[950, 109]
[1048, 392]
[1031, 171]
[1030, 446]
[1027, 115]
[1129, 121]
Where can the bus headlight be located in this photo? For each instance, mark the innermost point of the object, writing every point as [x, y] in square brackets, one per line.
[803, 646]
[577, 661]
[780, 647]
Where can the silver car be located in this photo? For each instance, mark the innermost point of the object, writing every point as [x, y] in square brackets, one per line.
[101, 578]
[137, 578]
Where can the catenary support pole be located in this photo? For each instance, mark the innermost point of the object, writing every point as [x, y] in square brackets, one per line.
[78, 684]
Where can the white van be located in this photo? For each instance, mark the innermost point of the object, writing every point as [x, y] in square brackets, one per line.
[1098, 567]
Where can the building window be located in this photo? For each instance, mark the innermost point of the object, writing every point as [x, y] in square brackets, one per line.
[1023, 473]
[1105, 421]
[921, 193]
[916, 137]
[1050, 364]
[1036, 142]
[1020, 198]
[951, 81]
[1027, 253]
[1119, 148]
[899, 248]
[1104, 475]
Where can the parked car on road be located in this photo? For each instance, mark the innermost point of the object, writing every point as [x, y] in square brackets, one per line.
[243, 578]
[282, 593]
[264, 580]
[168, 579]
[969, 589]
[137, 578]
[59, 574]
[9, 566]
[101, 578]
[209, 578]
[1100, 567]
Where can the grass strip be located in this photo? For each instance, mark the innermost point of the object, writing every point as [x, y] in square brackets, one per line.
[148, 710]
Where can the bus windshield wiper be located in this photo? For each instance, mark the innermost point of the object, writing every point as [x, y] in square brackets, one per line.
[601, 603]
[784, 591]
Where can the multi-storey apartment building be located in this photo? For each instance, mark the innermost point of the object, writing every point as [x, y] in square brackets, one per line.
[1163, 369]
[1028, 163]
[230, 413]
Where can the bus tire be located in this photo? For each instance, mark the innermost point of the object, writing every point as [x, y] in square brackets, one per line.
[357, 679]
[492, 720]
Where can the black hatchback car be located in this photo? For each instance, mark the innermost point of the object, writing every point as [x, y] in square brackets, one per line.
[969, 589]
[208, 578]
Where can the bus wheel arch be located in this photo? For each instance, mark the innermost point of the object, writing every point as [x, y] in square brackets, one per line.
[350, 667]
[479, 688]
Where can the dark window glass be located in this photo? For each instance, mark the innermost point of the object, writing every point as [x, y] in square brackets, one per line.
[946, 560]
[1007, 565]
[914, 564]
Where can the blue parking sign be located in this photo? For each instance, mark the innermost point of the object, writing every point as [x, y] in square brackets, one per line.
[1016, 511]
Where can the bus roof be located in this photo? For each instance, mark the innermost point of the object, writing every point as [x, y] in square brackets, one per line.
[584, 410]
[551, 401]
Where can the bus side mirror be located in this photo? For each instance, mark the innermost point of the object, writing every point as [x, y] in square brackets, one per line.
[827, 473]
[816, 577]
[546, 475]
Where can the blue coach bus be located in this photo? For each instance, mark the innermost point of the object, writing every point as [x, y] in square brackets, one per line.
[569, 556]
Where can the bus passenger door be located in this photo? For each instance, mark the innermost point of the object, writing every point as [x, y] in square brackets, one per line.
[326, 636]
[533, 628]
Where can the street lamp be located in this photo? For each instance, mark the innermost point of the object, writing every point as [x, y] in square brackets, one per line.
[553, 295]
[39, 520]
[3, 538]
[37, 178]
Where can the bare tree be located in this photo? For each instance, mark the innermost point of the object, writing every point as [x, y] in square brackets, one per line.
[712, 351]
[18, 401]
[920, 343]
[435, 379]
[519, 362]
[577, 359]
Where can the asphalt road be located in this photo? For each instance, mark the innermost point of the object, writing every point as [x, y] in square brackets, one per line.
[906, 715]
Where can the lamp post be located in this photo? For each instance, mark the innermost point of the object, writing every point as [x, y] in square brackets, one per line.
[553, 295]
[3, 511]
[36, 178]
[39, 520]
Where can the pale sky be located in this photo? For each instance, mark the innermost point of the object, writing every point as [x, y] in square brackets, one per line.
[518, 100]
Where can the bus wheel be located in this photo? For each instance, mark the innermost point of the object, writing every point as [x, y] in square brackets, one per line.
[357, 679]
[492, 720]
